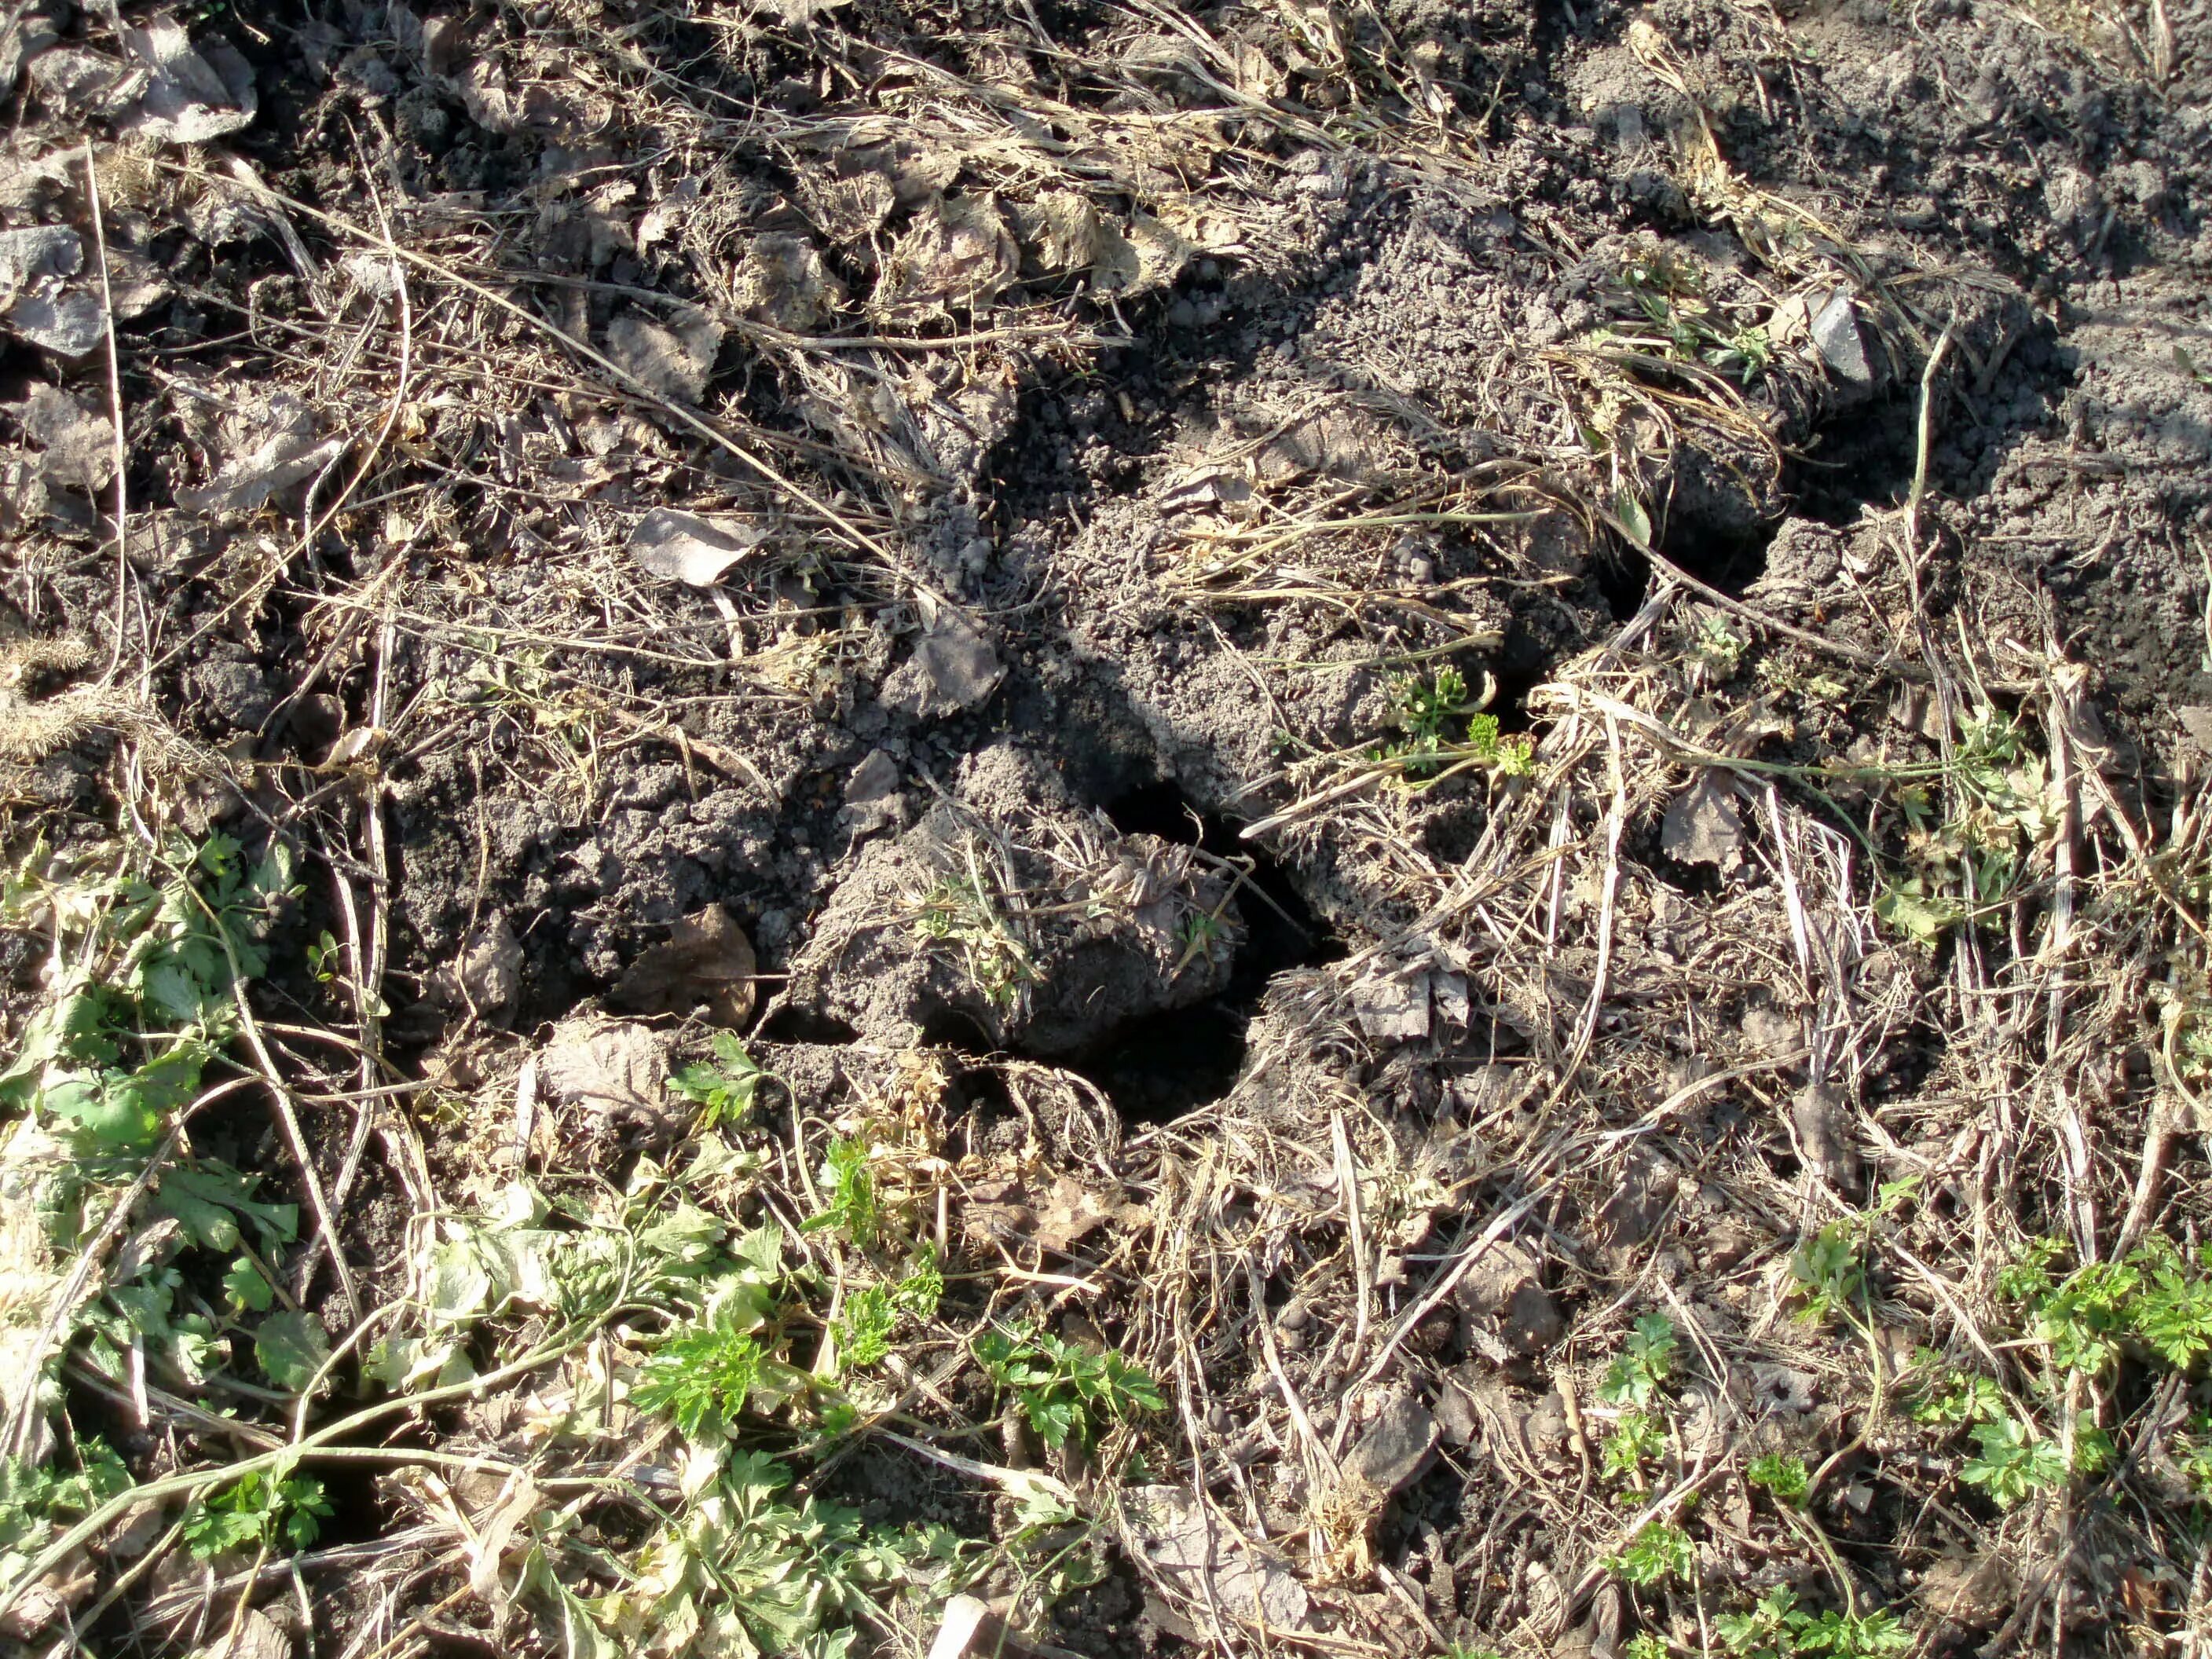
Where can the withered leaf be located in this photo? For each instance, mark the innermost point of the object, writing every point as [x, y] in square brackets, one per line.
[707, 960]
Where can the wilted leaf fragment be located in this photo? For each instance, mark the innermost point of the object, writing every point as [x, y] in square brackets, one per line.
[1151, 256]
[783, 282]
[1702, 826]
[1208, 1564]
[613, 1067]
[708, 959]
[255, 1637]
[191, 94]
[285, 455]
[75, 434]
[35, 263]
[683, 547]
[957, 253]
[676, 362]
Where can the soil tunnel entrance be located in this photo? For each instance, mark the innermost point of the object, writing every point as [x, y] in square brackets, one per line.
[1157, 1068]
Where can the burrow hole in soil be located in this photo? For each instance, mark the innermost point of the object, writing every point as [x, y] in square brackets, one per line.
[1863, 459]
[1157, 1068]
[1731, 559]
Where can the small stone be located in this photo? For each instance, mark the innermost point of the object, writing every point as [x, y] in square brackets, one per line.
[1819, 1119]
[1504, 1292]
[1396, 1446]
[1836, 333]
[490, 970]
[1393, 1008]
[873, 779]
[959, 662]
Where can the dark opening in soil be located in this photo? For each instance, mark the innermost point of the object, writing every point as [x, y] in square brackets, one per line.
[357, 1517]
[1623, 576]
[1158, 1068]
[1865, 458]
[1731, 560]
[789, 1024]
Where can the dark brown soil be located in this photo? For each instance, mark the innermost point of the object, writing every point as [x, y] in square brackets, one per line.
[1056, 648]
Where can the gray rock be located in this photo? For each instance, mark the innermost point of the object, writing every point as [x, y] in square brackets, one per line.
[490, 970]
[873, 780]
[1836, 333]
[962, 667]
[1504, 1294]
[1820, 1121]
[1397, 1445]
[236, 693]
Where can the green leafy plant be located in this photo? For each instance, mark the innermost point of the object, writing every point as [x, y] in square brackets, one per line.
[1066, 1393]
[136, 1018]
[1952, 1399]
[1426, 709]
[849, 1193]
[1657, 1553]
[2171, 1308]
[702, 1377]
[253, 1513]
[1717, 648]
[2192, 1450]
[1775, 1627]
[34, 1498]
[722, 1088]
[744, 1572]
[1784, 1477]
[1646, 1645]
[1827, 1271]
[2013, 1462]
[864, 1327]
[1638, 1374]
[1972, 821]
[1637, 1438]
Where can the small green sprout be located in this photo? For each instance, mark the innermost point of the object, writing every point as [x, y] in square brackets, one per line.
[1640, 1371]
[1657, 1553]
[1784, 1477]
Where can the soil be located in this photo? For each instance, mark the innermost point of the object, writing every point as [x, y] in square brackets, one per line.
[1052, 615]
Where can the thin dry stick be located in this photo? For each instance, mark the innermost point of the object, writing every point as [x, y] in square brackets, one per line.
[1925, 433]
[288, 1115]
[115, 414]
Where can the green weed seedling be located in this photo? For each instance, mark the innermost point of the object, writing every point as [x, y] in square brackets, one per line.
[1784, 1477]
[961, 911]
[1425, 710]
[2157, 1303]
[1066, 1393]
[849, 1193]
[34, 1500]
[1828, 1274]
[705, 1371]
[1775, 1627]
[744, 1572]
[254, 1512]
[151, 999]
[870, 1316]
[1640, 1372]
[1952, 1399]
[1657, 1553]
[1637, 1438]
[2011, 1465]
[723, 1088]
